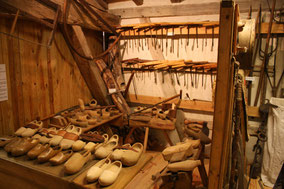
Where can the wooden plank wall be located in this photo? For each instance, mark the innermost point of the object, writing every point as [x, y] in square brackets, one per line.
[41, 80]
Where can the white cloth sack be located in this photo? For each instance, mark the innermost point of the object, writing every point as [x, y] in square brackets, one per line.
[273, 155]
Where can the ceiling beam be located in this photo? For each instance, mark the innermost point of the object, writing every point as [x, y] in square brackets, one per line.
[177, 1]
[75, 17]
[138, 2]
[172, 10]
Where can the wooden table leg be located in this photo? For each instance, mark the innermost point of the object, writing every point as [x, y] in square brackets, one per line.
[146, 138]
[203, 174]
[167, 137]
[127, 139]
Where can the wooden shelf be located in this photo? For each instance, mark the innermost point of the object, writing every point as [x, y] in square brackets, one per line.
[90, 127]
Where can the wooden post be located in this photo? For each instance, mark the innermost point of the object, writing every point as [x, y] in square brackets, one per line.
[222, 121]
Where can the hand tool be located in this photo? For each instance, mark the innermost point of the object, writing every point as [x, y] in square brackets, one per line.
[134, 34]
[180, 31]
[191, 76]
[173, 43]
[167, 41]
[151, 35]
[203, 72]
[196, 77]
[129, 39]
[155, 74]
[212, 38]
[206, 36]
[188, 30]
[139, 44]
[162, 43]
[184, 79]
[187, 81]
[178, 47]
[196, 29]
[156, 37]
[177, 78]
[205, 82]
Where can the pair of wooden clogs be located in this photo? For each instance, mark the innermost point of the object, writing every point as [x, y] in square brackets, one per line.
[20, 146]
[66, 137]
[105, 171]
[45, 134]
[92, 144]
[30, 129]
[127, 154]
[104, 149]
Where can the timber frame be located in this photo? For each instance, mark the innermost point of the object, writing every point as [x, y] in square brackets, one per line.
[222, 121]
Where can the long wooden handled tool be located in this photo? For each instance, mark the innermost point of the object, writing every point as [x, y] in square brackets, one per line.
[166, 100]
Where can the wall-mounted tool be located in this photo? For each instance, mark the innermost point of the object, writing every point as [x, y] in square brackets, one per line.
[212, 38]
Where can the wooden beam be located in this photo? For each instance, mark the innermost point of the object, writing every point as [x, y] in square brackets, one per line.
[90, 74]
[177, 1]
[191, 105]
[138, 2]
[40, 11]
[184, 9]
[222, 121]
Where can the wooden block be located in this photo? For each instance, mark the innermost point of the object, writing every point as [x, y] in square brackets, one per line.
[144, 178]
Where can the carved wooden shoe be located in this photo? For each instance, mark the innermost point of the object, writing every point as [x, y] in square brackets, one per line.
[117, 153]
[96, 170]
[61, 157]
[32, 128]
[20, 131]
[131, 157]
[5, 141]
[56, 139]
[178, 152]
[93, 103]
[187, 165]
[76, 162]
[78, 145]
[15, 142]
[38, 149]
[110, 174]
[70, 137]
[48, 153]
[194, 143]
[104, 150]
[24, 147]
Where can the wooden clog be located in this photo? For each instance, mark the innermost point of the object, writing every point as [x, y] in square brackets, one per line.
[70, 137]
[104, 150]
[78, 145]
[38, 149]
[61, 157]
[48, 153]
[96, 170]
[76, 162]
[131, 157]
[23, 147]
[110, 174]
